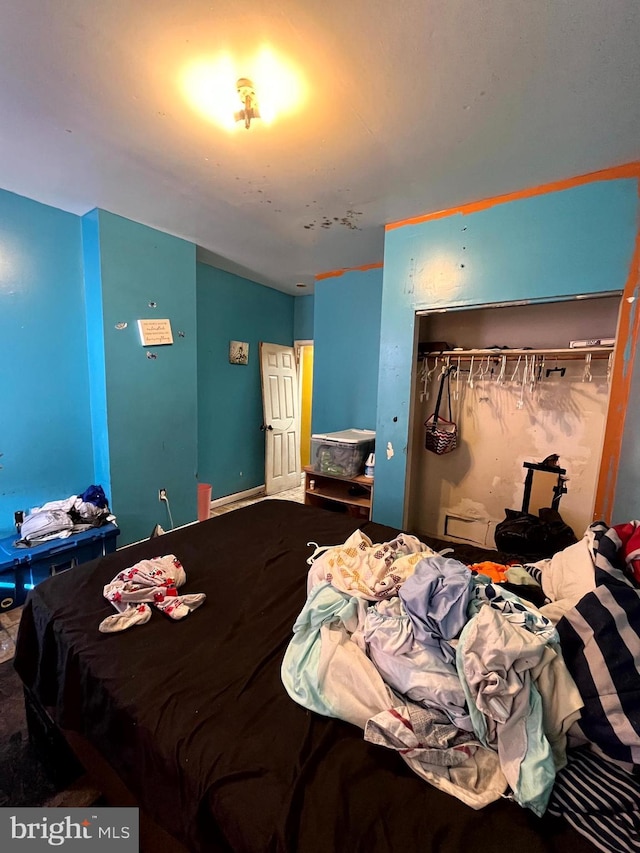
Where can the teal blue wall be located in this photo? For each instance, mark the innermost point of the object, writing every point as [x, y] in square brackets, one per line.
[95, 349]
[303, 318]
[146, 409]
[136, 426]
[45, 432]
[346, 329]
[579, 240]
[230, 442]
[86, 403]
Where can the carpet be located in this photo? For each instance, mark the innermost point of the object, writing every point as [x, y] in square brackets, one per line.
[25, 777]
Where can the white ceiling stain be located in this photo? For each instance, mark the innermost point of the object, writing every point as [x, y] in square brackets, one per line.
[411, 107]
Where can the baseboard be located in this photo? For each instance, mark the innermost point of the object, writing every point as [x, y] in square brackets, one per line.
[238, 496]
[227, 499]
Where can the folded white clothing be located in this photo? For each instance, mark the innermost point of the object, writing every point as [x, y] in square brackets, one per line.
[155, 582]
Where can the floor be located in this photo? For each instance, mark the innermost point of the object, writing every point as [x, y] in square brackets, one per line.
[296, 495]
[8, 630]
[9, 620]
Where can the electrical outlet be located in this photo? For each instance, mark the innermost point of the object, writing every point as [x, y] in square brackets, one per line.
[162, 495]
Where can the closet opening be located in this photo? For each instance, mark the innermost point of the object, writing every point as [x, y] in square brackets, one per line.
[525, 382]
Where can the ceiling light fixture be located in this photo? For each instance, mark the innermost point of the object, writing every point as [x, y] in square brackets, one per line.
[247, 96]
[213, 86]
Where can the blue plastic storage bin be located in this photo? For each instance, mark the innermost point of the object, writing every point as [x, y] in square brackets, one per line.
[22, 568]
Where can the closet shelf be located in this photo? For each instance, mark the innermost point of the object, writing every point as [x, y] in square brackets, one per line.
[560, 353]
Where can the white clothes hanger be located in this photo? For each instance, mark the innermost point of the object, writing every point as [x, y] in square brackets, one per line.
[483, 369]
[516, 370]
[456, 393]
[525, 379]
[503, 369]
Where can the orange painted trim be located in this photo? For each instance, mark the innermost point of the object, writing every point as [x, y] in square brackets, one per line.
[335, 273]
[627, 336]
[628, 170]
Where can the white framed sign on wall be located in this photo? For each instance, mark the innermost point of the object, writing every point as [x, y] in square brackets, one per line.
[155, 333]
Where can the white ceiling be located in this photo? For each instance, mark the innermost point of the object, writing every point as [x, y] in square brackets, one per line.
[415, 105]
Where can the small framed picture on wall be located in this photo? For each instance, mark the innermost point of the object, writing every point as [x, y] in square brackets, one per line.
[238, 352]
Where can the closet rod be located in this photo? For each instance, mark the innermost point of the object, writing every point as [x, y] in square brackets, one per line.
[559, 353]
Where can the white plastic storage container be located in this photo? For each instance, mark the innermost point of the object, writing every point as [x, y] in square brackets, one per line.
[342, 453]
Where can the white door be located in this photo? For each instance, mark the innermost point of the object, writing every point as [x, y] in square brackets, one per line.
[281, 417]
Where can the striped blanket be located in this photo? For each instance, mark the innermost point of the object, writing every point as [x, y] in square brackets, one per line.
[600, 800]
[600, 640]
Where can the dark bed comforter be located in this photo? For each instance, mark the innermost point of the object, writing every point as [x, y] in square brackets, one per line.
[194, 718]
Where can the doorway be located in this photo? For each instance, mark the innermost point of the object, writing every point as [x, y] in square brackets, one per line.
[281, 417]
[304, 360]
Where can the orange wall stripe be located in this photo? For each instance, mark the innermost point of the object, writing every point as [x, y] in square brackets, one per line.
[628, 170]
[626, 343]
[335, 273]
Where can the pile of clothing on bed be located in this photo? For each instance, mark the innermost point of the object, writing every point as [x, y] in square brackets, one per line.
[482, 693]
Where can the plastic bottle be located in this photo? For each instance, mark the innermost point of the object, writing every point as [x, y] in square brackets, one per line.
[369, 465]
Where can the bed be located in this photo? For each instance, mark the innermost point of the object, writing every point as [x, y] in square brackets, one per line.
[192, 720]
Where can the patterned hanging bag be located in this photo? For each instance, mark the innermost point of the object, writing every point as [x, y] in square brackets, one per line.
[442, 434]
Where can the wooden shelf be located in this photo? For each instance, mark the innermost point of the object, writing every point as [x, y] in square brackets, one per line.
[335, 494]
[330, 490]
